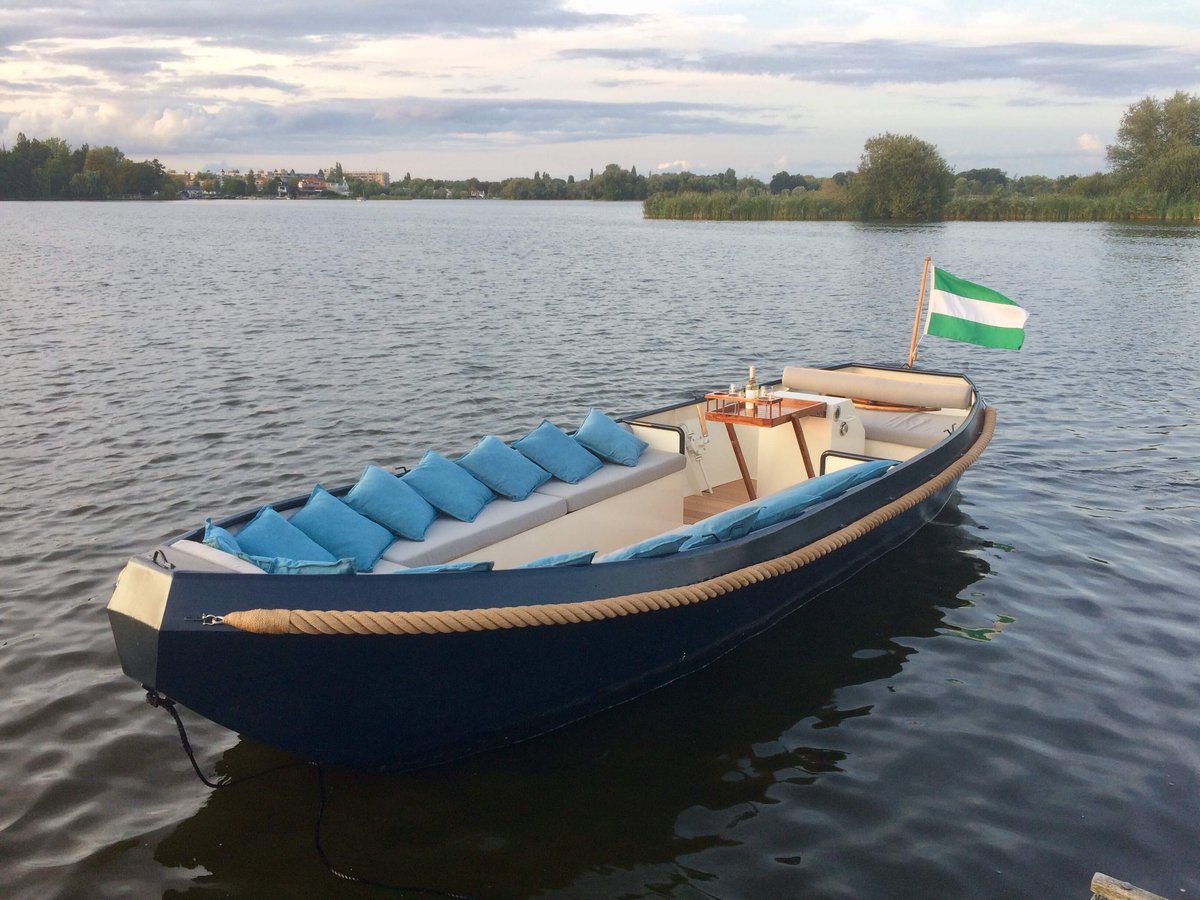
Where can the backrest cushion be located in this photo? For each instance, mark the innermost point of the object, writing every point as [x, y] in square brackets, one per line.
[789, 503]
[382, 497]
[725, 526]
[449, 487]
[570, 558]
[608, 440]
[554, 450]
[270, 534]
[503, 469]
[340, 530]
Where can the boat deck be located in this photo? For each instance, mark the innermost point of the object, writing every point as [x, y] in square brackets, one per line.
[723, 497]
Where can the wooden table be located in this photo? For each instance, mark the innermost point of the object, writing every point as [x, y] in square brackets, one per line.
[734, 409]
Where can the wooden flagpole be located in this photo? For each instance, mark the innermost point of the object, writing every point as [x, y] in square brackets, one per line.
[912, 345]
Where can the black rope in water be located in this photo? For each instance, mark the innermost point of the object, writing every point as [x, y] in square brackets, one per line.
[155, 699]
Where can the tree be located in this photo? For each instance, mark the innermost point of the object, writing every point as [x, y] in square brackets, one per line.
[901, 177]
[986, 178]
[107, 162]
[1158, 147]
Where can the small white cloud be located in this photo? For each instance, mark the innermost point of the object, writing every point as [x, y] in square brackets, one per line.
[679, 164]
[1088, 142]
[781, 162]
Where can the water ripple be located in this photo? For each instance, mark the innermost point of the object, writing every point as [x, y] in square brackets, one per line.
[1000, 708]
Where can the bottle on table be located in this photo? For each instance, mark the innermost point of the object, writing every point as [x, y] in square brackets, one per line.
[751, 391]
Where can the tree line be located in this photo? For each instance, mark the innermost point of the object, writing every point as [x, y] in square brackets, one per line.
[1155, 173]
[51, 170]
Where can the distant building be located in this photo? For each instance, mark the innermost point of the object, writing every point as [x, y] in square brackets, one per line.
[380, 178]
[311, 184]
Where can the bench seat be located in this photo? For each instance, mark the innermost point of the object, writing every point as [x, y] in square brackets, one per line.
[613, 479]
[449, 539]
[912, 429]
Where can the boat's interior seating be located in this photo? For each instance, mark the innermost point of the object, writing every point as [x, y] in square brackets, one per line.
[197, 557]
[912, 389]
[558, 517]
[611, 506]
[944, 400]
[910, 429]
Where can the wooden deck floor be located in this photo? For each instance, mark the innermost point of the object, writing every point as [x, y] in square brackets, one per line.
[724, 496]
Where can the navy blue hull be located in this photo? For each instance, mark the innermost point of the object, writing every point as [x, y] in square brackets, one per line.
[408, 701]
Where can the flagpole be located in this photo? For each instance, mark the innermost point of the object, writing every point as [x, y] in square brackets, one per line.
[912, 345]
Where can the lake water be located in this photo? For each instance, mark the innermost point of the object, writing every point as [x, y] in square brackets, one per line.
[1000, 708]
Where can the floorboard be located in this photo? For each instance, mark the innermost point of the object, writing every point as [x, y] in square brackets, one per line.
[723, 497]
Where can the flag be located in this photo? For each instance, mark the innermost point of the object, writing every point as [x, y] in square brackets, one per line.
[964, 311]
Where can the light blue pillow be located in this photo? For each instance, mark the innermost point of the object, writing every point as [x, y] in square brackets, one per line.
[556, 452]
[386, 499]
[503, 469]
[218, 537]
[570, 558]
[659, 545]
[608, 440]
[726, 526]
[342, 531]
[279, 566]
[270, 534]
[789, 503]
[448, 567]
[449, 487]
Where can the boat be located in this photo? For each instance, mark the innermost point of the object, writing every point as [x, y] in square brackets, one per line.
[649, 545]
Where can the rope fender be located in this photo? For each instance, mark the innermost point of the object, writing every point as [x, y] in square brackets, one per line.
[304, 621]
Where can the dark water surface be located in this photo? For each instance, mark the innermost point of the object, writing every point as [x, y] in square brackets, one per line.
[1000, 708]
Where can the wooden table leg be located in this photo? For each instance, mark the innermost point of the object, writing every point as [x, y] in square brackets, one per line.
[741, 460]
[808, 466]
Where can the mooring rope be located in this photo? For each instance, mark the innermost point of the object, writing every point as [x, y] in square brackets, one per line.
[305, 621]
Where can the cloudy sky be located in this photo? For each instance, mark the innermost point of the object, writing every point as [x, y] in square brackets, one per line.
[494, 88]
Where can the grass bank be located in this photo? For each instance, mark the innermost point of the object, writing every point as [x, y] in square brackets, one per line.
[812, 206]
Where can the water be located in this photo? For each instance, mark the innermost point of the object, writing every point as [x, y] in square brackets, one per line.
[999, 709]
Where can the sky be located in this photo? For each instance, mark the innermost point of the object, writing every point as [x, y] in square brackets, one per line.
[497, 88]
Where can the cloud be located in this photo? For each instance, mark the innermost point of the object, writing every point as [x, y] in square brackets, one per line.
[119, 61]
[1088, 142]
[680, 164]
[302, 25]
[1087, 69]
[141, 126]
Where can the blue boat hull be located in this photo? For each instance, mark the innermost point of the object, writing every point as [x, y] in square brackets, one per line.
[405, 701]
[422, 699]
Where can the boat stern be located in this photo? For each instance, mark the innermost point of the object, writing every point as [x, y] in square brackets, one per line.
[135, 614]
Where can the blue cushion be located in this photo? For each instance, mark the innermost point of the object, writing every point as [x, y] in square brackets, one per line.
[485, 566]
[216, 536]
[788, 504]
[570, 558]
[554, 450]
[279, 566]
[270, 534]
[726, 526]
[384, 498]
[503, 469]
[659, 545]
[608, 440]
[449, 487]
[342, 531]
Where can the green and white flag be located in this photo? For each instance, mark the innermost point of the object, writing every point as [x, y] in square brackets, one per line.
[964, 311]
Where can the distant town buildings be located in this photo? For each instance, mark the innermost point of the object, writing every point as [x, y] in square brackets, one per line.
[288, 182]
[380, 178]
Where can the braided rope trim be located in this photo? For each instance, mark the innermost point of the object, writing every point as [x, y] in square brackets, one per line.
[303, 621]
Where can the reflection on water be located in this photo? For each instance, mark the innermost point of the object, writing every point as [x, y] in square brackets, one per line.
[668, 776]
